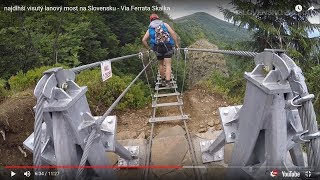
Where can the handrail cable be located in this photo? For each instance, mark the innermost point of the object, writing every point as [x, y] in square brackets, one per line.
[230, 52]
[96, 64]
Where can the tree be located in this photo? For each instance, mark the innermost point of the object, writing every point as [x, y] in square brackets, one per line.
[31, 39]
[17, 50]
[275, 24]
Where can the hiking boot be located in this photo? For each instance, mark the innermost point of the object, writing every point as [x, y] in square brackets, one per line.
[163, 82]
[168, 83]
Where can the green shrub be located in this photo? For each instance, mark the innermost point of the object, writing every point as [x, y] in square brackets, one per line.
[3, 90]
[102, 94]
[231, 87]
[22, 81]
[18, 82]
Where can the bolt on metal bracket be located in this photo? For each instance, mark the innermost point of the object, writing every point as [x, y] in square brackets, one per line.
[302, 137]
[134, 151]
[296, 101]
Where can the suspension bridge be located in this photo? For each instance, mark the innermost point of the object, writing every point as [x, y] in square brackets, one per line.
[268, 130]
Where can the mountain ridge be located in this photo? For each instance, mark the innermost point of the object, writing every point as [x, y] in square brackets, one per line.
[203, 25]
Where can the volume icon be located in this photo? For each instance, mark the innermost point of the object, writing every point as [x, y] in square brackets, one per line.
[27, 173]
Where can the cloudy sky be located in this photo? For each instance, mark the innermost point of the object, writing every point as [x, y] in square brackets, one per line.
[179, 8]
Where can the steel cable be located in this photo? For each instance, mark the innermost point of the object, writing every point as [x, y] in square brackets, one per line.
[237, 53]
[151, 67]
[86, 153]
[184, 70]
[38, 133]
[177, 57]
[146, 75]
[96, 64]
[309, 123]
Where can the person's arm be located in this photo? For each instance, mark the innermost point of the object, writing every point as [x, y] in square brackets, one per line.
[173, 34]
[144, 40]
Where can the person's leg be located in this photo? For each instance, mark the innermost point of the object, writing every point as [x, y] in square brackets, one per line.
[161, 69]
[167, 62]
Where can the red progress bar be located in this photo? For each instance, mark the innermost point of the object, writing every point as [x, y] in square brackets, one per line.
[93, 167]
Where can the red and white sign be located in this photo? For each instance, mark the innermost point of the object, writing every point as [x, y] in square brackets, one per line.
[106, 70]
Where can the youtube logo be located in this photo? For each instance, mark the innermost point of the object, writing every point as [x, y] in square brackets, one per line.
[274, 173]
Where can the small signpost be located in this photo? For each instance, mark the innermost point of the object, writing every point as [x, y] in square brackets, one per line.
[106, 70]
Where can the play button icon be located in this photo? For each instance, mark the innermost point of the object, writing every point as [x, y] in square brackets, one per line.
[12, 173]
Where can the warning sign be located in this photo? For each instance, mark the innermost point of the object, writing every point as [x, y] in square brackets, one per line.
[106, 70]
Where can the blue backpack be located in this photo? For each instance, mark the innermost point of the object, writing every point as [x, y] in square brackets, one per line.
[160, 35]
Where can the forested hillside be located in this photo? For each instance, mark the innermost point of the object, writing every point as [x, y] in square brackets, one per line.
[202, 25]
[34, 39]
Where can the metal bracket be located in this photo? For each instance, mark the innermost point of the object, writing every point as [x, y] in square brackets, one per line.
[108, 128]
[106, 131]
[134, 150]
[229, 121]
[206, 156]
[271, 59]
[47, 151]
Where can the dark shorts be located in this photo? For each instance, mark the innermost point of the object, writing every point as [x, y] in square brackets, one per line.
[163, 51]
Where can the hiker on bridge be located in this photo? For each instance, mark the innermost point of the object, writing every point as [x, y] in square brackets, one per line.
[162, 40]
